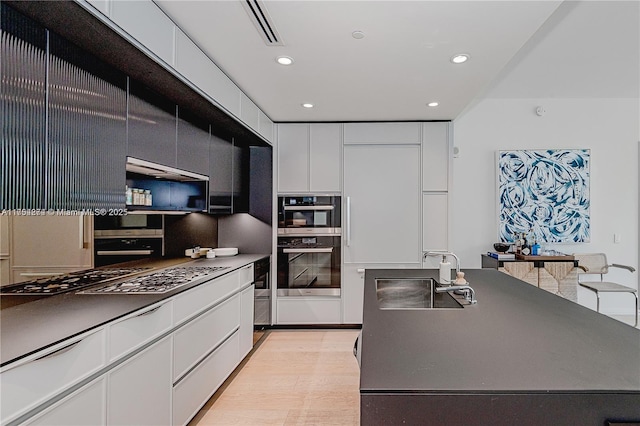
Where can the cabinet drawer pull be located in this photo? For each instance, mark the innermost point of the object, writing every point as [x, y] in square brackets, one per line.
[59, 351]
[149, 312]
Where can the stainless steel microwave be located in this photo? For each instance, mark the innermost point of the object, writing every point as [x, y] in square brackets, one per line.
[309, 215]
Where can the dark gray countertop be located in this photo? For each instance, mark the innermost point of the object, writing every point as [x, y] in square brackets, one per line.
[29, 327]
[518, 338]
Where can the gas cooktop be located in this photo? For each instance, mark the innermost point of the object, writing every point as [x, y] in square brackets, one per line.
[57, 284]
[158, 282]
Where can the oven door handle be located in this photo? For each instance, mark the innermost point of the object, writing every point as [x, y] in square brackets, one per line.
[122, 252]
[308, 250]
[308, 208]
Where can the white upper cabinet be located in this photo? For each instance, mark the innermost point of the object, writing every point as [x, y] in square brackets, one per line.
[435, 156]
[325, 157]
[145, 22]
[196, 67]
[293, 158]
[382, 133]
[266, 126]
[309, 157]
[101, 5]
[249, 112]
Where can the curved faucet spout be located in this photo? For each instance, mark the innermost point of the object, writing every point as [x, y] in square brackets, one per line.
[443, 254]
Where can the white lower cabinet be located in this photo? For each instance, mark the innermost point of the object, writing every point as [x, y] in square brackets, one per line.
[139, 390]
[36, 379]
[196, 339]
[190, 393]
[142, 369]
[84, 407]
[352, 293]
[246, 320]
[308, 310]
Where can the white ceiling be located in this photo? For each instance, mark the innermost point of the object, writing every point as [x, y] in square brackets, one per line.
[517, 49]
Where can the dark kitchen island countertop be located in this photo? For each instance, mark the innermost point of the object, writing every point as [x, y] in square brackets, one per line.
[521, 355]
[46, 320]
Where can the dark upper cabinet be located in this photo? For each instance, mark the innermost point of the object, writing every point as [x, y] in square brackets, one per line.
[261, 183]
[241, 172]
[193, 143]
[152, 126]
[220, 176]
[64, 132]
[86, 134]
[23, 47]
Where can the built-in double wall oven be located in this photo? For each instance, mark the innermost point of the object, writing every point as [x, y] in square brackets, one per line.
[308, 245]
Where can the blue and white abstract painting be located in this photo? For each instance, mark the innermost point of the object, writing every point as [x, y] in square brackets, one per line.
[544, 193]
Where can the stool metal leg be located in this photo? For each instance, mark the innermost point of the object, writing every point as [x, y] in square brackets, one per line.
[636, 295]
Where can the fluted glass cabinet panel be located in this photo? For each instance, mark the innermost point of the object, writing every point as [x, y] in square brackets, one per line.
[152, 126]
[63, 122]
[193, 143]
[23, 110]
[87, 130]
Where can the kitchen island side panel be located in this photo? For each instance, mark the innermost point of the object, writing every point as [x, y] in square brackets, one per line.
[499, 409]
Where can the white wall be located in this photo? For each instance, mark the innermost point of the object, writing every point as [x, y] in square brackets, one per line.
[609, 127]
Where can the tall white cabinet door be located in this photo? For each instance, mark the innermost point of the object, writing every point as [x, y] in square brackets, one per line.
[139, 390]
[381, 201]
[435, 156]
[325, 155]
[293, 158]
[434, 221]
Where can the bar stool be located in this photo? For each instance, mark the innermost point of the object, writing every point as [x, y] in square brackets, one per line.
[596, 264]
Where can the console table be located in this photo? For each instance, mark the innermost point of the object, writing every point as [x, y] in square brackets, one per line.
[556, 274]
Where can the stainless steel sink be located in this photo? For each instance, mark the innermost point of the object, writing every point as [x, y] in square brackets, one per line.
[412, 293]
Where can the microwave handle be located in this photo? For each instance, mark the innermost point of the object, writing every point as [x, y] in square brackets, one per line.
[307, 208]
[308, 250]
[348, 214]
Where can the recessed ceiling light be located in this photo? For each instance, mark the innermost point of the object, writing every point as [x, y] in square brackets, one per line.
[357, 35]
[433, 104]
[284, 60]
[307, 105]
[460, 58]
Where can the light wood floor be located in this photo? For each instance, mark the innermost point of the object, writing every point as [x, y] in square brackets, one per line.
[301, 377]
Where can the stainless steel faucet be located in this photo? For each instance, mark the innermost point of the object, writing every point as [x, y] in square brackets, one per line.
[444, 254]
[469, 293]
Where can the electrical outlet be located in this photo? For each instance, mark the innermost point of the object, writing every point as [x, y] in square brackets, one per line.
[616, 238]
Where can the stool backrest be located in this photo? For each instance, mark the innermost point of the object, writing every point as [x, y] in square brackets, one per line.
[596, 263]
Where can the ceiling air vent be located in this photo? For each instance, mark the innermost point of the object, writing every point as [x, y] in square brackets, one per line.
[260, 17]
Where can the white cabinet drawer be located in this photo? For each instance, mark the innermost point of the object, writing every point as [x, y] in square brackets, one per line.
[245, 275]
[29, 382]
[194, 341]
[86, 406]
[194, 390]
[191, 302]
[308, 310]
[139, 328]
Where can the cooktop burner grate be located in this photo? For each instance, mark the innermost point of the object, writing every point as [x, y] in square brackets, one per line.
[57, 284]
[158, 282]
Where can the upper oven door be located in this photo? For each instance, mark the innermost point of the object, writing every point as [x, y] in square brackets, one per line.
[309, 214]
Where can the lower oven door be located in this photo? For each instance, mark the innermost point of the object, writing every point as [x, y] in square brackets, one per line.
[313, 271]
